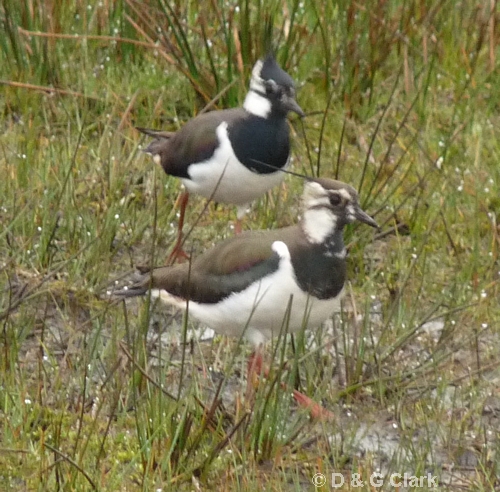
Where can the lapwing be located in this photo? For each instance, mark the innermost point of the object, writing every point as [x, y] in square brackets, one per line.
[232, 156]
[246, 284]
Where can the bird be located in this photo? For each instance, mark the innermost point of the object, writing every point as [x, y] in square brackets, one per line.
[235, 155]
[247, 284]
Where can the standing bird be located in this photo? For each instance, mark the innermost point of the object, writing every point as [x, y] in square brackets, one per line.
[234, 155]
[247, 284]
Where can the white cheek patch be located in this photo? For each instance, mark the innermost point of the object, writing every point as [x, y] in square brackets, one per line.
[319, 224]
[257, 104]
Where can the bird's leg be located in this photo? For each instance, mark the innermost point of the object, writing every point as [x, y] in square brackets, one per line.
[177, 251]
[238, 227]
[241, 211]
[254, 364]
[254, 369]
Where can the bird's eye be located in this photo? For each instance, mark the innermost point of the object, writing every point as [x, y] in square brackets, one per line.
[272, 88]
[335, 200]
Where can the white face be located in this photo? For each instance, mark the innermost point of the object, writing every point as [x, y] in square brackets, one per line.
[323, 209]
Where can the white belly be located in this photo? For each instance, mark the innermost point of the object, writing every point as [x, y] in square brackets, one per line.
[225, 179]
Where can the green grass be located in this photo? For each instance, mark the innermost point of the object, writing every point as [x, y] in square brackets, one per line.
[402, 102]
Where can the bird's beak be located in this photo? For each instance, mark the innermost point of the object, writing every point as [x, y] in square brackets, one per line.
[292, 105]
[362, 216]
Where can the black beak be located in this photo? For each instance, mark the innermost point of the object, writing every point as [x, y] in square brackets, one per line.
[362, 216]
[292, 105]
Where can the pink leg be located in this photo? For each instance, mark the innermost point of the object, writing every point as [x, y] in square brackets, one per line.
[254, 370]
[238, 227]
[254, 364]
[177, 251]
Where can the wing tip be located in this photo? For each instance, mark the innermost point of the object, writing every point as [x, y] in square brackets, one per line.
[157, 134]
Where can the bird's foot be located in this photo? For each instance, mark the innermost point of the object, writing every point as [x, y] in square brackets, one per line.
[316, 410]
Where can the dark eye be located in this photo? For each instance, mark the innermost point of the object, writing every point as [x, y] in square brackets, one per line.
[272, 88]
[335, 200]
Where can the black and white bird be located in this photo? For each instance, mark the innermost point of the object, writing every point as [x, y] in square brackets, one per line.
[234, 155]
[244, 285]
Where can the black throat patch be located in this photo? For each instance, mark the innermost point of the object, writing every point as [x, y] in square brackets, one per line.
[320, 269]
[261, 144]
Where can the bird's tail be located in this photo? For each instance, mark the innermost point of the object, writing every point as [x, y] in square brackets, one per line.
[126, 292]
[157, 145]
[159, 134]
[142, 284]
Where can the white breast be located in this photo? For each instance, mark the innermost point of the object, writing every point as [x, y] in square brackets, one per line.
[226, 179]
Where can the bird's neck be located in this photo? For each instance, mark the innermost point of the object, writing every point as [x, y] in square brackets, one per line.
[318, 224]
[258, 104]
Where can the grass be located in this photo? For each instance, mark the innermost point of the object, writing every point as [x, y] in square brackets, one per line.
[401, 102]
